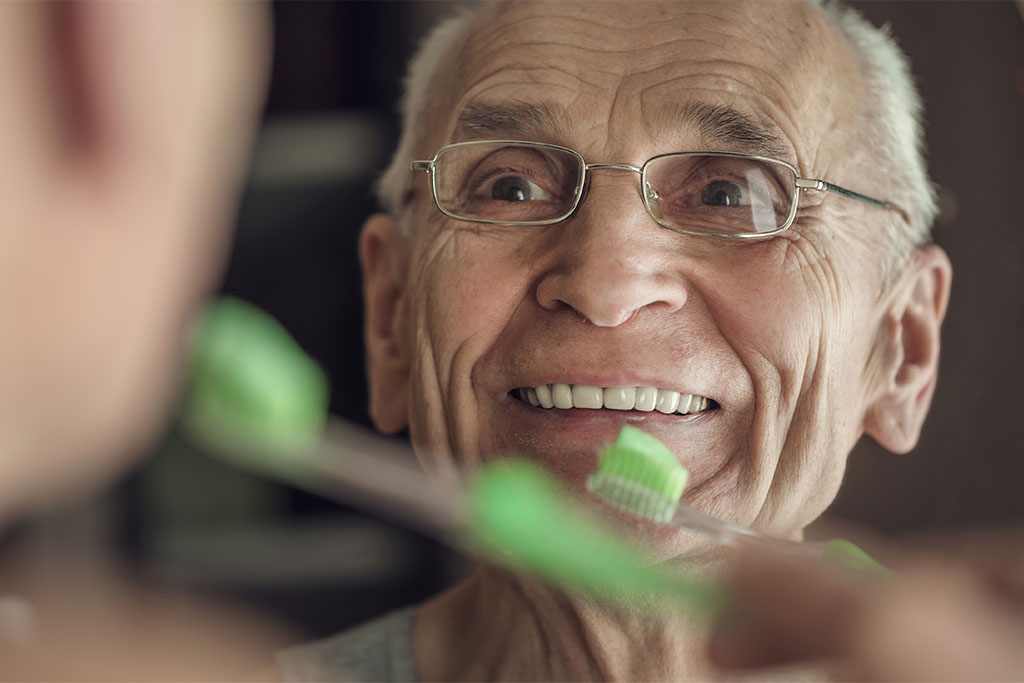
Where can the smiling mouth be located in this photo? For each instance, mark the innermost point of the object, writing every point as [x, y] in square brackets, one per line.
[643, 399]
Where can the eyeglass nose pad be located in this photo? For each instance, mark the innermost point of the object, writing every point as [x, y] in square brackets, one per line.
[653, 200]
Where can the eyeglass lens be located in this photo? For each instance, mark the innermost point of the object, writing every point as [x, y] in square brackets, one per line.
[703, 193]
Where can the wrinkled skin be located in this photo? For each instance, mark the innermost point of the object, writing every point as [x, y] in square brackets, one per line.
[796, 337]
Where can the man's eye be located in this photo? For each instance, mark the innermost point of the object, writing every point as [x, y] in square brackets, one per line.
[721, 193]
[517, 189]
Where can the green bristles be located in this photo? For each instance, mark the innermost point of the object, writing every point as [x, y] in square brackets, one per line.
[638, 473]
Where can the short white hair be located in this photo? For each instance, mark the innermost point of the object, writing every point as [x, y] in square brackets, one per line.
[894, 121]
[894, 127]
[394, 185]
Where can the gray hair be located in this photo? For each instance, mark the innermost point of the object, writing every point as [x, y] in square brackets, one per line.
[894, 122]
[895, 127]
[393, 186]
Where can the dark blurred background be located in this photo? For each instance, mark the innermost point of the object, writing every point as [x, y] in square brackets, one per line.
[187, 520]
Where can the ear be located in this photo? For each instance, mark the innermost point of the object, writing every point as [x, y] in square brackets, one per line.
[907, 351]
[384, 255]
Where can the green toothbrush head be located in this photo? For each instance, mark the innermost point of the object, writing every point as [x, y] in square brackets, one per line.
[252, 391]
[640, 475]
[520, 517]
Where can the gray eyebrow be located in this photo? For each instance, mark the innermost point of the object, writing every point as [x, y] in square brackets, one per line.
[519, 119]
[716, 123]
[723, 124]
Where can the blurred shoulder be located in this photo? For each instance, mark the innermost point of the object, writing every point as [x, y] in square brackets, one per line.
[380, 650]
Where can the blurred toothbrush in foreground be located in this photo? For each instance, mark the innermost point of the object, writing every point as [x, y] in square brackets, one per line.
[257, 400]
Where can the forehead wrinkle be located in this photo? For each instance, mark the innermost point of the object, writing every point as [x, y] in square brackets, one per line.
[768, 75]
[585, 33]
[608, 40]
[505, 40]
[504, 74]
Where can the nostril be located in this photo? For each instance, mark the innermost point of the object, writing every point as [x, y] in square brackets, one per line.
[605, 273]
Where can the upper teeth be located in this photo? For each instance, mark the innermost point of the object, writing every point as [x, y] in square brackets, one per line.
[614, 398]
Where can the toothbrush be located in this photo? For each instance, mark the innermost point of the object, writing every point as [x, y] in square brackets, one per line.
[257, 400]
[640, 475]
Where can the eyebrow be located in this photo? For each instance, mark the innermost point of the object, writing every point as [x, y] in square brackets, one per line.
[722, 124]
[485, 120]
[715, 123]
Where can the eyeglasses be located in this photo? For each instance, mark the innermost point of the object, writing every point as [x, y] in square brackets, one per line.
[715, 194]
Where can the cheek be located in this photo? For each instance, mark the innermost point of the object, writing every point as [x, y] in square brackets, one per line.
[767, 313]
[468, 286]
[797, 322]
[796, 315]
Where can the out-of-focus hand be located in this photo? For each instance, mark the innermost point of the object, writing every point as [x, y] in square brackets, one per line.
[124, 130]
[955, 614]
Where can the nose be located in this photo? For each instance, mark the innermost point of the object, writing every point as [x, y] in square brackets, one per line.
[612, 261]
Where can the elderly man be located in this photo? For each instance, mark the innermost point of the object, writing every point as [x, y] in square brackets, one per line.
[707, 220]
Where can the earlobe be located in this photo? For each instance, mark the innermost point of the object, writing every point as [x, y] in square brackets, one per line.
[383, 254]
[907, 351]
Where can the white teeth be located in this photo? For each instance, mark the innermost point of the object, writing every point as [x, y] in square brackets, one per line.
[544, 396]
[584, 396]
[646, 398]
[667, 401]
[620, 398]
[531, 396]
[643, 399]
[561, 396]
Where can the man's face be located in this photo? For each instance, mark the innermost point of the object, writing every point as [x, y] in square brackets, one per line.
[777, 333]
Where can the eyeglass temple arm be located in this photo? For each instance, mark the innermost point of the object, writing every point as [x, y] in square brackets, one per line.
[817, 184]
[419, 166]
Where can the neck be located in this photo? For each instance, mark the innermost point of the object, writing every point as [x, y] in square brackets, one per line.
[498, 626]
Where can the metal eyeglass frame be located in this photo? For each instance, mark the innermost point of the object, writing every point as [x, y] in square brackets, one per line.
[648, 193]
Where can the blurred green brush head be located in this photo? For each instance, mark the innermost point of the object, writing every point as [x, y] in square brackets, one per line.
[252, 390]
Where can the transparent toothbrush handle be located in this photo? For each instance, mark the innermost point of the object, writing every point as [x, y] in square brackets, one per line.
[736, 536]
